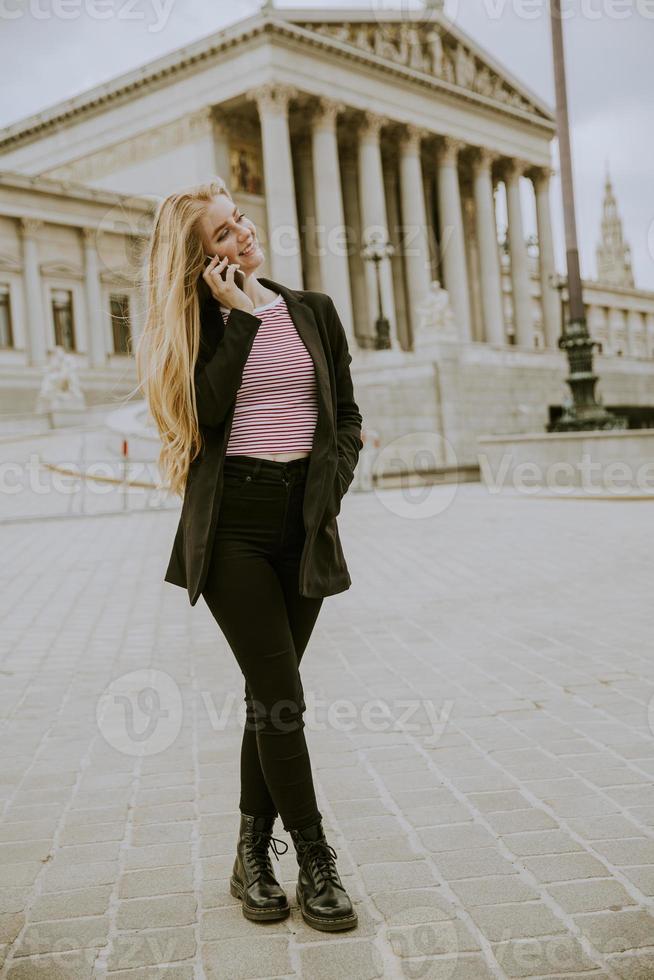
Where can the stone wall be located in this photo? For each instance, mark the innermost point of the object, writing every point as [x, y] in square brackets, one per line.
[460, 392]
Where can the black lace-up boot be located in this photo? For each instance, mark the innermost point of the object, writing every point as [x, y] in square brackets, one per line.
[320, 893]
[253, 879]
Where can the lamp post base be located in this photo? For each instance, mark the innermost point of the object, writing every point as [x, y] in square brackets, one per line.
[383, 329]
[586, 413]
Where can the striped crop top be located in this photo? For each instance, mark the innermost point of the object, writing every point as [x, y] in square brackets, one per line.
[276, 406]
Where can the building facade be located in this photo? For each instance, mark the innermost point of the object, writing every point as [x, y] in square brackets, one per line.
[328, 126]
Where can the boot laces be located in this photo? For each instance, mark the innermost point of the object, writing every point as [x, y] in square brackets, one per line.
[256, 849]
[319, 856]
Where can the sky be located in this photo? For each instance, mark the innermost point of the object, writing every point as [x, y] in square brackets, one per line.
[53, 49]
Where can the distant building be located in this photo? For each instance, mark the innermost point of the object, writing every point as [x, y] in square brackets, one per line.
[613, 253]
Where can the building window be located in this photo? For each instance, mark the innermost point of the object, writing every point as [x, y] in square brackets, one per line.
[62, 314]
[6, 332]
[120, 325]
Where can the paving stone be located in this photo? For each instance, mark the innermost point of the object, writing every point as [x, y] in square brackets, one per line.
[157, 881]
[617, 932]
[494, 890]
[629, 852]
[541, 842]
[594, 895]
[642, 878]
[633, 966]
[396, 874]
[447, 937]
[517, 921]
[75, 965]
[63, 934]
[516, 821]
[455, 837]
[564, 867]
[251, 957]
[474, 863]
[554, 956]
[156, 912]
[71, 904]
[11, 924]
[150, 947]
[413, 905]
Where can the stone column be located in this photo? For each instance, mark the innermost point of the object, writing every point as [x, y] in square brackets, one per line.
[472, 257]
[489, 260]
[281, 209]
[635, 333]
[330, 217]
[549, 296]
[415, 227]
[306, 205]
[428, 193]
[362, 315]
[35, 332]
[95, 341]
[374, 219]
[649, 328]
[452, 242]
[391, 168]
[522, 307]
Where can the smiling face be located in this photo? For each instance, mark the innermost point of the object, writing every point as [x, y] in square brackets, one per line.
[226, 231]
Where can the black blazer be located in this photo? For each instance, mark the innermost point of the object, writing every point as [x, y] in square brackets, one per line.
[224, 349]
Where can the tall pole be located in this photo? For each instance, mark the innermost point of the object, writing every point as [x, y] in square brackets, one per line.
[585, 412]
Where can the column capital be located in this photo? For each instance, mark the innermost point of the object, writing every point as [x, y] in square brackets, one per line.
[89, 236]
[371, 124]
[514, 167]
[30, 227]
[483, 158]
[272, 97]
[540, 176]
[412, 136]
[326, 112]
[449, 149]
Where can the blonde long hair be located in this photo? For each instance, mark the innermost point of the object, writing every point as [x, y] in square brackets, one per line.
[168, 346]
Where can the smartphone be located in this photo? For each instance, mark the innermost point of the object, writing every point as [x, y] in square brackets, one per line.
[239, 278]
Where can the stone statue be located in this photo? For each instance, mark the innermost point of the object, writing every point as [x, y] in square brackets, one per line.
[436, 318]
[60, 388]
[464, 67]
[410, 51]
[384, 40]
[436, 48]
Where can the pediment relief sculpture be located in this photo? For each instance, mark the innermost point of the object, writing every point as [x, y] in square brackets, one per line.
[426, 48]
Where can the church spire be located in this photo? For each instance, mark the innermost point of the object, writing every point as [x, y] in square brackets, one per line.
[613, 254]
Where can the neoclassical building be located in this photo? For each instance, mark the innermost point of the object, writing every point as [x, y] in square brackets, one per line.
[328, 126]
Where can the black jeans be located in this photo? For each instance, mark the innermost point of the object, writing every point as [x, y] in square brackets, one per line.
[252, 591]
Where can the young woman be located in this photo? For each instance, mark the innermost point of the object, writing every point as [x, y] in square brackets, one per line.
[249, 384]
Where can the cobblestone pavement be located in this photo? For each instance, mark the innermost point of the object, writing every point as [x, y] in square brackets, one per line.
[478, 715]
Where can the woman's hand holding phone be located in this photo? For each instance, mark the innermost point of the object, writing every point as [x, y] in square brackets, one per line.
[225, 280]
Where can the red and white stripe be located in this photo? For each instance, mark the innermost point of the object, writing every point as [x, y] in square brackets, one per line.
[277, 404]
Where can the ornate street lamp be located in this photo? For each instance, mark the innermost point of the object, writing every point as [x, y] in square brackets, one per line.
[585, 412]
[376, 249]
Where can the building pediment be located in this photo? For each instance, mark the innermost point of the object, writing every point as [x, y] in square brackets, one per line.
[432, 47]
[61, 270]
[424, 43]
[8, 263]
